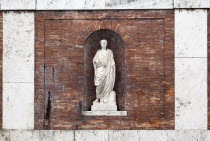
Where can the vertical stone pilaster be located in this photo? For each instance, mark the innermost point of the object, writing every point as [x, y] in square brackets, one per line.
[190, 69]
[18, 4]
[18, 70]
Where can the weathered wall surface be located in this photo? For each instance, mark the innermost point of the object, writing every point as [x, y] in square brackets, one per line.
[18, 70]
[102, 4]
[190, 70]
[148, 38]
[105, 135]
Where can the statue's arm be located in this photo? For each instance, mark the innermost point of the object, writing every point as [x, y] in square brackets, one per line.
[95, 61]
[112, 56]
[95, 58]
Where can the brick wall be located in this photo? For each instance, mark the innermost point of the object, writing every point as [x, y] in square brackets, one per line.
[148, 85]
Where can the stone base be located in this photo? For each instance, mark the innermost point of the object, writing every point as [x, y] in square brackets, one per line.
[104, 113]
[104, 107]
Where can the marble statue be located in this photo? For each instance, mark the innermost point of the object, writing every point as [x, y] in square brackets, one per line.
[104, 79]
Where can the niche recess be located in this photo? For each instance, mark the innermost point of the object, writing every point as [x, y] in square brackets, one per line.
[92, 44]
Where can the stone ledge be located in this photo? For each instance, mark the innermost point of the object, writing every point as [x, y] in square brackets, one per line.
[104, 135]
[104, 113]
[101, 5]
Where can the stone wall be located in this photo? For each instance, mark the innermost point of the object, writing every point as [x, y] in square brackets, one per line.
[102, 4]
[105, 135]
[20, 102]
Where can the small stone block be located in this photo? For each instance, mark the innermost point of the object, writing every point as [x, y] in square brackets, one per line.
[104, 113]
[104, 107]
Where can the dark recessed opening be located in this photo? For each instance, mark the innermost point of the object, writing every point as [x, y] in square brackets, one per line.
[92, 44]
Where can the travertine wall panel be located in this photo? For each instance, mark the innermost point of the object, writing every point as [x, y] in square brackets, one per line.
[18, 105]
[191, 33]
[184, 135]
[105, 135]
[205, 135]
[70, 4]
[4, 135]
[191, 3]
[153, 135]
[24, 135]
[56, 135]
[191, 69]
[64, 135]
[128, 135]
[46, 135]
[18, 4]
[102, 4]
[139, 4]
[18, 47]
[91, 135]
[191, 93]
[18, 56]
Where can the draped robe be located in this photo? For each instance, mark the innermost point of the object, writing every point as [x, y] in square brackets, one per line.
[104, 69]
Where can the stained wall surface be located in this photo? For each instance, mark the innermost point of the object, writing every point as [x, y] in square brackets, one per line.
[18, 28]
[148, 77]
[18, 70]
[191, 69]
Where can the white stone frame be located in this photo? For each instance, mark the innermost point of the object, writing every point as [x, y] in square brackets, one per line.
[183, 58]
[100, 4]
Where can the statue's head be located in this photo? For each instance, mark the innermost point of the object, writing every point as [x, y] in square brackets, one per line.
[103, 43]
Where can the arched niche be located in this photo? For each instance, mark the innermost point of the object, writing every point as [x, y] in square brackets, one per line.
[92, 44]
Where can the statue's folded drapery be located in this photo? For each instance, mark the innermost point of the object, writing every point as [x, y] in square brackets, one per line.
[104, 68]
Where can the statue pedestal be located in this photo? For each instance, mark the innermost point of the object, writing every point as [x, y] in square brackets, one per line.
[104, 113]
[104, 109]
[111, 106]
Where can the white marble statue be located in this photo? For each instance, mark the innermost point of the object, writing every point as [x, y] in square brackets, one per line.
[104, 70]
